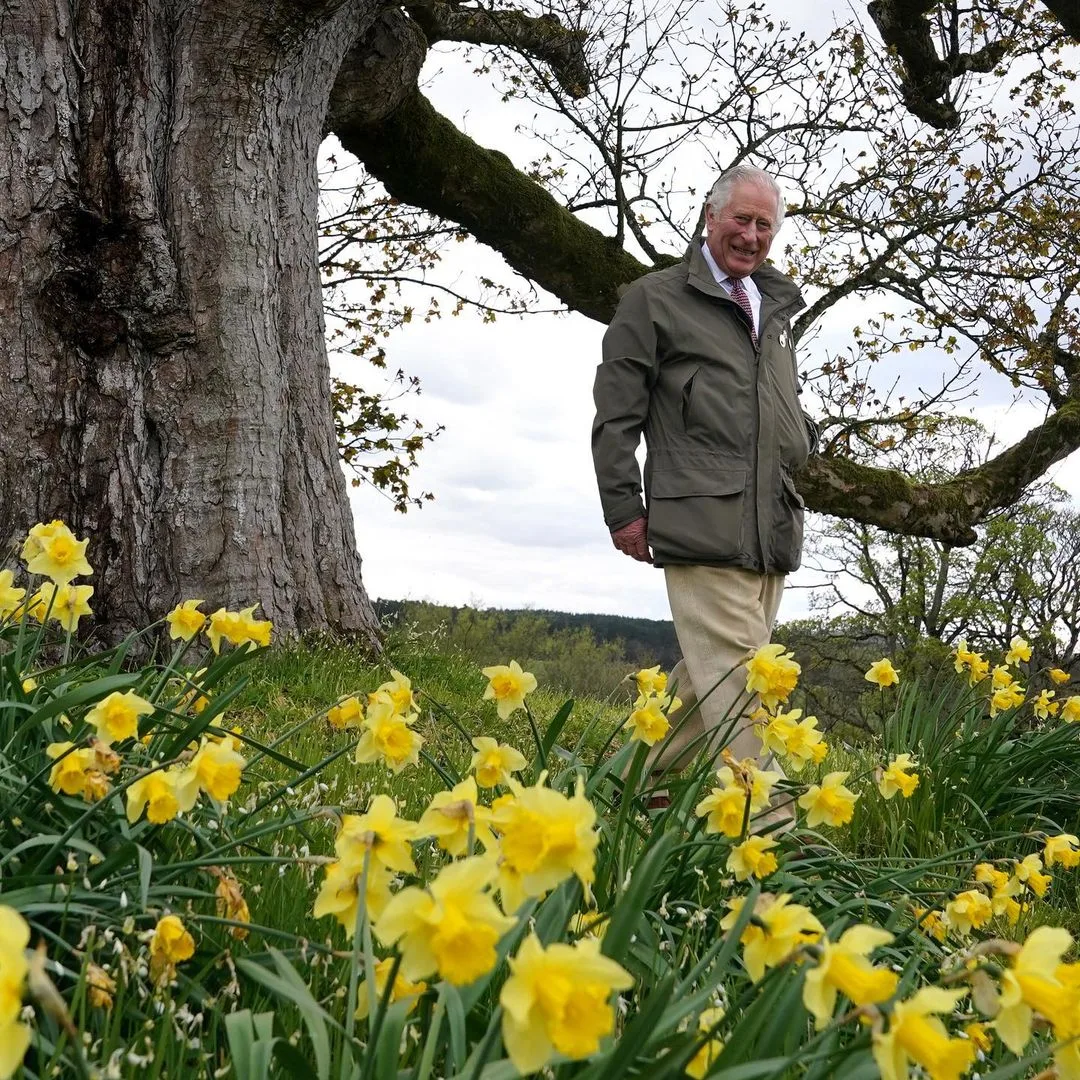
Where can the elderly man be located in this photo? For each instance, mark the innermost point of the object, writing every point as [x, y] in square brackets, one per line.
[699, 357]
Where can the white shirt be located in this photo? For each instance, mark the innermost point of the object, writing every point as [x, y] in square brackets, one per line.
[725, 281]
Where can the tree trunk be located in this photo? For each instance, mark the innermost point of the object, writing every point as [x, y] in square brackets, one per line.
[164, 385]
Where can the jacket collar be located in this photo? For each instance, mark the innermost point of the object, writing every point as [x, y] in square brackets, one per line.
[776, 288]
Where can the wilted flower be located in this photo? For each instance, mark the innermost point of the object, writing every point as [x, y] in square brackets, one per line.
[100, 986]
[493, 761]
[508, 687]
[558, 1000]
[230, 903]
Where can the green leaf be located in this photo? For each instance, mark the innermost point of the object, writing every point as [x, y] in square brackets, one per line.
[629, 907]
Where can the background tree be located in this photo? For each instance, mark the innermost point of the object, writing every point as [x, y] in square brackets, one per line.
[165, 383]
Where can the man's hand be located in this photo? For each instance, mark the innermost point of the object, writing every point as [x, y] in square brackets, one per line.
[631, 540]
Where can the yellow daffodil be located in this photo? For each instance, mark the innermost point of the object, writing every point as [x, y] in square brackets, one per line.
[557, 1000]
[56, 554]
[230, 904]
[1056, 674]
[1001, 677]
[963, 657]
[1044, 705]
[1029, 872]
[648, 721]
[386, 737]
[400, 692]
[163, 794]
[726, 809]
[544, 838]
[10, 596]
[650, 681]
[882, 674]
[185, 620]
[449, 815]
[116, 717]
[773, 674]
[915, 1034]
[380, 830]
[69, 773]
[67, 604]
[843, 967]
[450, 928]
[898, 777]
[347, 713]
[931, 923]
[980, 1035]
[170, 945]
[592, 923]
[1008, 697]
[217, 766]
[402, 990]
[988, 874]
[339, 894]
[702, 1061]
[830, 802]
[1070, 710]
[508, 685]
[752, 858]
[1019, 651]
[980, 669]
[747, 776]
[14, 1035]
[777, 928]
[238, 628]
[1031, 985]
[967, 910]
[797, 741]
[1064, 849]
[493, 761]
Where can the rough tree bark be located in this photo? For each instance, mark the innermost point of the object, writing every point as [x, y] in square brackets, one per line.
[163, 376]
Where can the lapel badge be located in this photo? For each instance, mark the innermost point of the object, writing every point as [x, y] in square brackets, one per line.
[782, 340]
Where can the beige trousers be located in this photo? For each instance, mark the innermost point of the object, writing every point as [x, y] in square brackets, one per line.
[721, 615]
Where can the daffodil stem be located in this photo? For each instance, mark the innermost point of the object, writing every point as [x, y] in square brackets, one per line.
[606, 877]
[541, 753]
[470, 843]
[361, 948]
[482, 1051]
[431, 1042]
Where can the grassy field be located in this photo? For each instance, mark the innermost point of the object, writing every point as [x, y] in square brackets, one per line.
[708, 964]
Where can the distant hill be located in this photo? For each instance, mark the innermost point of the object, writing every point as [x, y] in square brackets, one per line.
[643, 642]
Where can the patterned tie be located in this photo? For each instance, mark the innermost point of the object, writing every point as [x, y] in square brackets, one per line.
[738, 294]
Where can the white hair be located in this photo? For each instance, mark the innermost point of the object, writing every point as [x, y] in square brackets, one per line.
[721, 191]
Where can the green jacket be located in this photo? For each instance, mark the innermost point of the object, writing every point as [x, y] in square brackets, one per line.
[722, 423]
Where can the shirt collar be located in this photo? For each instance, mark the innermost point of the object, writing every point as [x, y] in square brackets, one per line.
[725, 280]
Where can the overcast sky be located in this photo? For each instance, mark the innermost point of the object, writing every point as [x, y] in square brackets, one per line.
[516, 521]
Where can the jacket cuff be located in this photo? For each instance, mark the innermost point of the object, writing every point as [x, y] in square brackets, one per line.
[624, 512]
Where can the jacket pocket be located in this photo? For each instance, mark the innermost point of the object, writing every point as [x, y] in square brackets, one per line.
[787, 529]
[696, 514]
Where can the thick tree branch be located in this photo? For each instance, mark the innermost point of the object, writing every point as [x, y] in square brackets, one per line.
[1067, 12]
[423, 159]
[947, 511]
[544, 38]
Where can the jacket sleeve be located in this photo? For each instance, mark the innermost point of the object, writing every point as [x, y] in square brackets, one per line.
[624, 381]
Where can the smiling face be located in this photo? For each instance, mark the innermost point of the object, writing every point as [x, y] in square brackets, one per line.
[739, 234]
